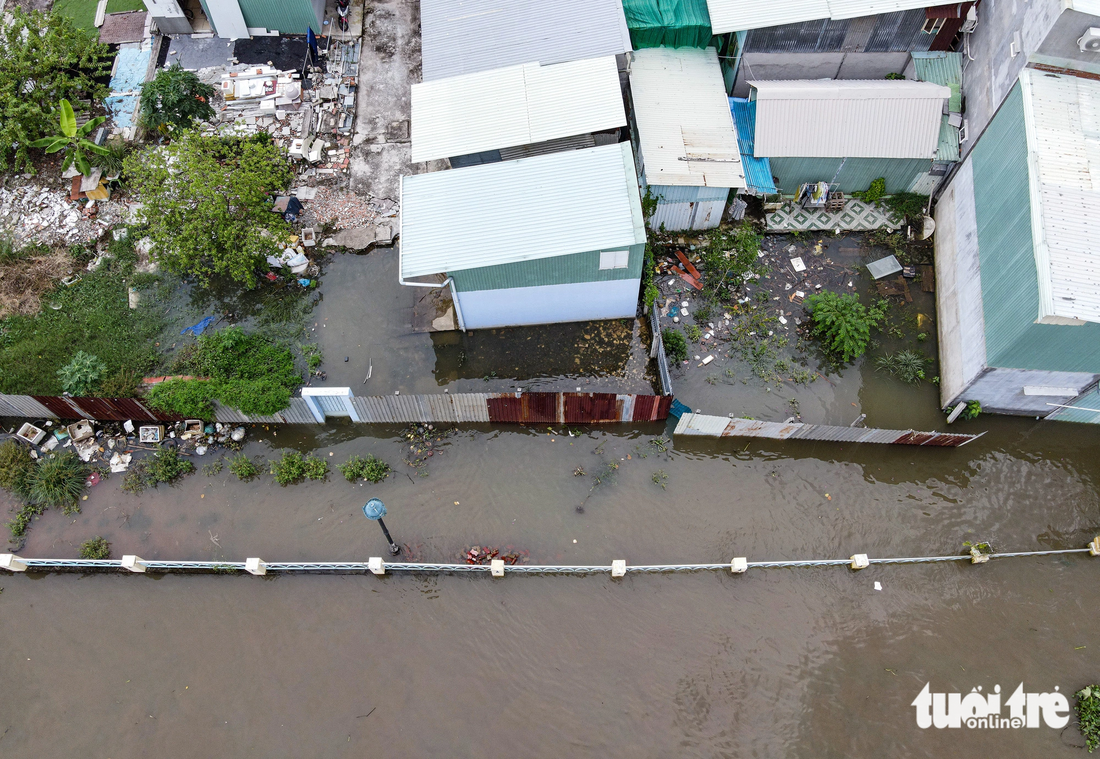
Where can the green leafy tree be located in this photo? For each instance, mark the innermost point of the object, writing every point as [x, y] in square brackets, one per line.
[73, 139]
[80, 375]
[43, 59]
[842, 323]
[207, 203]
[174, 100]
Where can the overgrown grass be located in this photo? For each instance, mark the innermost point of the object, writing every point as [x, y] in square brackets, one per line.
[92, 315]
[906, 365]
[1088, 715]
[166, 465]
[58, 481]
[244, 468]
[675, 345]
[82, 12]
[96, 548]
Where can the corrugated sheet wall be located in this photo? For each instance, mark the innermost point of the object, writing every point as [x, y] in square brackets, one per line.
[286, 16]
[856, 174]
[888, 32]
[682, 207]
[559, 270]
[721, 426]
[1010, 289]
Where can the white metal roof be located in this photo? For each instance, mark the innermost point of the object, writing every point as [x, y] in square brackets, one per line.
[742, 15]
[531, 208]
[1062, 119]
[513, 106]
[848, 118]
[464, 36]
[686, 134]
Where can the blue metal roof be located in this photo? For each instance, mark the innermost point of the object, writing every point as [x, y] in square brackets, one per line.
[758, 171]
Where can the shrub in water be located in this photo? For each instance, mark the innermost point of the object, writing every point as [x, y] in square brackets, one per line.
[58, 481]
[675, 345]
[1088, 715]
[908, 366]
[842, 323]
[293, 467]
[165, 465]
[370, 468]
[244, 467]
[96, 548]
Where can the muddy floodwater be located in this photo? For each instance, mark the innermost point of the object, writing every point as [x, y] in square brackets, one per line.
[773, 663]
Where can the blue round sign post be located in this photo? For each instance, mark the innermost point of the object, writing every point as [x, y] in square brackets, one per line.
[374, 509]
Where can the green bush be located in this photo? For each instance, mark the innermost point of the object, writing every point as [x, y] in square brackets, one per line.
[165, 465]
[293, 467]
[58, 481]
[729, 255]
[96, 548]
[972, 411]
[694, 333]
[676, 347]
[174, 100]
[243, 370]
[842, 323]
[15, 468]
[908, 205]
[80, 376]
[370, 468]
[21, 522]
[874, 193]
[243, 467]
[1088, 715]
[906, 365]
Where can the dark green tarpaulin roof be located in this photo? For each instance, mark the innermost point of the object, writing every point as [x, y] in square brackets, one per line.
[671, 23]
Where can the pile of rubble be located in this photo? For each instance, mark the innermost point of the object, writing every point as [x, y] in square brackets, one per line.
[113, 444]
[344, 210]
[33, 213]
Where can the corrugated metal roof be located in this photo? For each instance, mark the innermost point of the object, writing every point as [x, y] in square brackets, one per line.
[513, 106]
[464, 36]
[942, 68]
[742, 15]
[758, 171]
[532, 208]
[1062, 118]
[852, 119]
[686, 134]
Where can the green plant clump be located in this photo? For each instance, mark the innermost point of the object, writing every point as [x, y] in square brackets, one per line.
[21, 522]
[909, 205]
[73, 140]
[82, 374]
[96, 548]
[166, 465]
[15, 468]
[972, 411]
[874, 193]
[729, 256]
[293, 467]
[842, 323]
[243, 467]
[371, 469]
[694, 333]
[58, 481]
[906, 365]
[174, 100]
[675, 345]
[243, 370]
[1088, 715]
[650, 292]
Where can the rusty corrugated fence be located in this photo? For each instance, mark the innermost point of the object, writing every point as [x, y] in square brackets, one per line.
[722, 426]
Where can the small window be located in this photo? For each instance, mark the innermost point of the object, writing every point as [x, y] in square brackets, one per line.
[614, 259]
[933, 25]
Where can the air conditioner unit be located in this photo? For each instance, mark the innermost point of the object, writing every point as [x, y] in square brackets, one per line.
[971, 22]
[1090, 41]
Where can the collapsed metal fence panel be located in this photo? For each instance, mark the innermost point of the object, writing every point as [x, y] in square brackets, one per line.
[720, 426]
[658, 351]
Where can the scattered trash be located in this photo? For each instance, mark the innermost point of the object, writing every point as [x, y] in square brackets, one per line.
[884, 267]
[198, 329]
[798, 264]
[30, 433]
[149, 433]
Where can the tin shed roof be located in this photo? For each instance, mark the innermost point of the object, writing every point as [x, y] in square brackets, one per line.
[531, 208]
[1062, 120]
[848, 119]
[513, 106]
[464, 36]
[742, 15]
[686, 134]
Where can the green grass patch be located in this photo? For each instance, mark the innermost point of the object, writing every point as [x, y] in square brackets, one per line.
[92, 316]
[82, 12]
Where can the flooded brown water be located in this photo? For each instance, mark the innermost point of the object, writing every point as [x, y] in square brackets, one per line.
[774, 663]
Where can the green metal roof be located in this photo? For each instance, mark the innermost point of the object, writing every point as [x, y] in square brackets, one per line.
[942, 68]
[948, 147]
[1010, 285]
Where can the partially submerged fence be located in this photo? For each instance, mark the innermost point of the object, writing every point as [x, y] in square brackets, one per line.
[723, 426]
[657, 351]
[493, 408]
[619, 568]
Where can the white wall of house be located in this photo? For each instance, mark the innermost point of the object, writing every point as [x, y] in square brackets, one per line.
[547, 304]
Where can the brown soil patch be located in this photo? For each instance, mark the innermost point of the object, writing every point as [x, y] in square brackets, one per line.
[23, 283]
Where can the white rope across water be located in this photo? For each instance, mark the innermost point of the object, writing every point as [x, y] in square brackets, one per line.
[496, 568]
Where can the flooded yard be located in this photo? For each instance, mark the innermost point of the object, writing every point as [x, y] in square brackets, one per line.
[812, 662]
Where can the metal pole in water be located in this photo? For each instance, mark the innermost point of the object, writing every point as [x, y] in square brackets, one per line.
[375, 509]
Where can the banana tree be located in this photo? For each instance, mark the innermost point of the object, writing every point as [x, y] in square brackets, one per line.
[73, 140]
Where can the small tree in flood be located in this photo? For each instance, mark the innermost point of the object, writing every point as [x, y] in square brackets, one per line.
[207, 203]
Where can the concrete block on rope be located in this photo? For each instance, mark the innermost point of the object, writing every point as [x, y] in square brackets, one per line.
[739, 565]
[618, 568]
[12, 563]
[255, 566]
[133, 563]
[860, 561]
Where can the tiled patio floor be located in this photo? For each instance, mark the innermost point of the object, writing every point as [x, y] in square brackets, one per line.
[857, 216]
